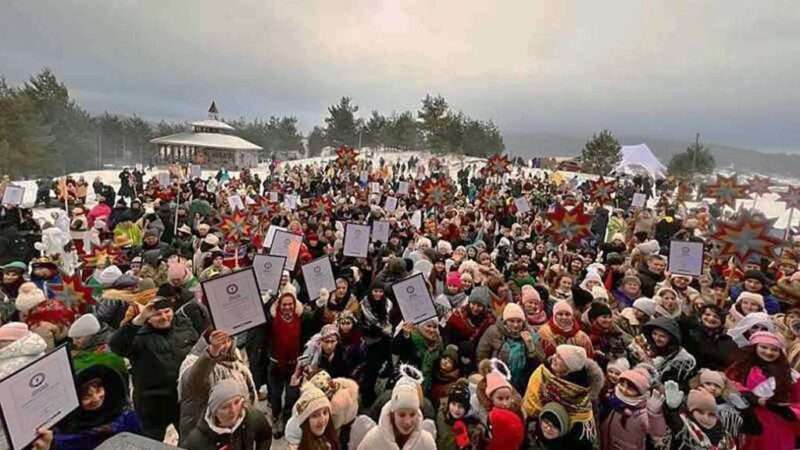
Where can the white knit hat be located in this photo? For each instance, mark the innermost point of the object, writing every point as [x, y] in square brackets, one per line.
[757, 298]
[645, 305]
[311, 400]
[28, 297]
[513, 311]
[109, 275]
[407, 392]
[574, 357]
[86, 325]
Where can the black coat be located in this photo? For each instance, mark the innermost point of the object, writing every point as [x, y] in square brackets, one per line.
[254, 433]
[155, 356]
[712, 351]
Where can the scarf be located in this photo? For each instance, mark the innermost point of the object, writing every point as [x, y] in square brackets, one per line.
[545, 387]
[537, 319]
[576, 327]
[516, 360]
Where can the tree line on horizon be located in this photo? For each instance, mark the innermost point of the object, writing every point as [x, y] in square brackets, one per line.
[45, 132]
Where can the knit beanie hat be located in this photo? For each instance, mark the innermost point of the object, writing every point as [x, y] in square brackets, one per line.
[645, 305]
[529, 293]
[574, 357]
[311, 400]
[323, 381]
[561, 306]
[494, 381]
[508, 425]
[223, 391]
[701, 400]
[752, 296]
[13, 331]
[454, 279]
[28, 297]
[405, 394]
[600, 293]
[109, 275]
[598, 309]
[459, 393]
[329, 330]
[639, 378]
[762, 337]
[713, 377]
[480, 295]
[86, 325]
[556, 414]
[620, 364]
[513, 311]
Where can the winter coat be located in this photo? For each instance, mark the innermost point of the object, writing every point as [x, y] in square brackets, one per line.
[374, 412]
[415, 350]
[712, 350]
[771, 304]
[19, 353]
[155, 357]
[628, 428]
[493, 345]
[649, 281]
[199, 372]
[85, 430]
[461, 327]
[252, 433]
[446, 431]
[552, 336]
[98, 211]
[382, 436]
[678, 365]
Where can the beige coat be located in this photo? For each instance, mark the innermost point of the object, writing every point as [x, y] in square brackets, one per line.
[382, 436]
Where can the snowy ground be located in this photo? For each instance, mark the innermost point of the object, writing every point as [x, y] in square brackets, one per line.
[766, 204]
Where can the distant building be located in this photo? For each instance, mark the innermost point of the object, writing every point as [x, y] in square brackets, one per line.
[209, 144]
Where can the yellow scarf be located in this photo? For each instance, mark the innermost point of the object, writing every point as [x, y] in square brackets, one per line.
[545, 387]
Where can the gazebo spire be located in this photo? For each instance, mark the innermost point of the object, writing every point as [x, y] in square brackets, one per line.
[212, 111]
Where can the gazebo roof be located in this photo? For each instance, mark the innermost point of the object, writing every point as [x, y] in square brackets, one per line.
[211, 140]
[211, 123]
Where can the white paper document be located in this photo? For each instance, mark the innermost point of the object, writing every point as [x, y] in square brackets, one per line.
[288, 245]
[235, 202]
[414, 299]
[686, 258]
[318, 274]
[356, 240]
[271, 234]
[234, 301]
[380, 231]
[391, 204]
[522, 205]
[13, 195]
[639, 200]
[269, 269]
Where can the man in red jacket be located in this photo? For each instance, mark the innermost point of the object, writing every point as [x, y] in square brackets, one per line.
[286, 322]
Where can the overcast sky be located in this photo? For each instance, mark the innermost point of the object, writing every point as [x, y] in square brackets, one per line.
[729, 69]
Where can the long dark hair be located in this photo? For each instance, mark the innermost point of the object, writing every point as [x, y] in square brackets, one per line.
[747, 359]
[328, 441]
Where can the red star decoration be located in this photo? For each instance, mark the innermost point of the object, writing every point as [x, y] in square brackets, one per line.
[745, 235]
[263, 208]
[726, 190]
[497, 165]
[235, 226]
[791, 197]
[569, 225]
[600, 190]
[321, 206]
[74, 294]
[758, 185]
[102, 256]
[346, 157]
[436, 192]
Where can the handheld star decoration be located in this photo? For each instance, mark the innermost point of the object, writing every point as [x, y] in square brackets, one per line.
[102, 256]
[235, 226]
[758, 185]
[569, 225]
[436, 192]
[263, 208]
[346, 156]
[791, 197]
[74, 294]
[745, 235]
[321, 206]
[600, 190]
[726, 190]
[497, 165]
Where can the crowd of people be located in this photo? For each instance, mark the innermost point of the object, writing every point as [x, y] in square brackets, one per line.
[540, 342]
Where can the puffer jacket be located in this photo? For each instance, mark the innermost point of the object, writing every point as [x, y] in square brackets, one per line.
[199, 373]
[382, 436]
[16, 355]
[627, 429]
[252, 433]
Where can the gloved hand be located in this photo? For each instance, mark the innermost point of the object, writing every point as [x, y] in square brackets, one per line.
[655, 402]
[324, 295]
[674, 395]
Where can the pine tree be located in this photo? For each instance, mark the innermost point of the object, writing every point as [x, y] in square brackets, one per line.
[316, 142]
[601, 154]
[341, 125]
[697, 159]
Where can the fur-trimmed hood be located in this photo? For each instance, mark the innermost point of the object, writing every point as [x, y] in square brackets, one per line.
[298, 307]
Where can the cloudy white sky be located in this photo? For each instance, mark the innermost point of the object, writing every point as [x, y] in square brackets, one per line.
[729, 68]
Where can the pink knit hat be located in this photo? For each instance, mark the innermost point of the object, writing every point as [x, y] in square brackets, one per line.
[494, 381]
[765, 337]
[639, 378]
[529, 294]
[700, 399]
[13, 331]
[513, 311]
[561, 306]
[454, 279]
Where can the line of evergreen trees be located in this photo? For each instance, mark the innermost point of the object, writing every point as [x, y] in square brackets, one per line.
[43, 132]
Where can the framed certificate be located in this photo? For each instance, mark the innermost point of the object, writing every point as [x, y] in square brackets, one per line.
[686, 258]
[13, 195]
[234, 301]
[269, 269]
[286, 244]
[380, 231]
[318, 274]
[356, 240]
[38, 395]
[414, 299]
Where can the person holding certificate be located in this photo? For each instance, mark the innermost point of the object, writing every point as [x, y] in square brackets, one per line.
[155, 341]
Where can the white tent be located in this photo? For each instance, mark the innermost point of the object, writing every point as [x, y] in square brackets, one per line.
[639, 159]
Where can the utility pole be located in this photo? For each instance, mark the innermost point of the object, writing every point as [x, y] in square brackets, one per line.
[694, 153]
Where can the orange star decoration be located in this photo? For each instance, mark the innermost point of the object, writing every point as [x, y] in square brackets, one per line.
[726, 190]
[600, 190]
[745, 235]
[497, 165]
[758, 185]
[102, 256]
[569, 225]
[263, 208]
[74, 294]
[436, 192]
[321, 206]
[235, 226]
[791, 197]
[346, 157]
[489, 198]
